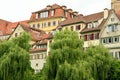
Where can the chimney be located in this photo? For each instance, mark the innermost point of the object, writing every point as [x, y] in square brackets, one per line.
[106, 12]
[75, 13]
[70, 10]
[64, 7]
[49, 7]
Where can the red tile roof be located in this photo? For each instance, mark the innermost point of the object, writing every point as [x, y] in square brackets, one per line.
[85, 30]
[79, 18]
[54, 6]
[38, 50]
[3, 25]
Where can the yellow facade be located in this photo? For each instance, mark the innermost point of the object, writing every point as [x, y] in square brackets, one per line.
[47, 25]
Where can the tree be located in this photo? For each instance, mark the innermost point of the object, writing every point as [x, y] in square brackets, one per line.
[68, 60]
[14, 59]
[114, 72]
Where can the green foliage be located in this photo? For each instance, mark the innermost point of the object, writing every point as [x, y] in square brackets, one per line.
[114, 73]
[14, 59]
[68, 60]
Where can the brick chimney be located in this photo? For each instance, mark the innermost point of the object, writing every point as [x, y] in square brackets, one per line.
[106, 12]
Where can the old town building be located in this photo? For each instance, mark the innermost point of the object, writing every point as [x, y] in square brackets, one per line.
[110, 34]
[47, 19]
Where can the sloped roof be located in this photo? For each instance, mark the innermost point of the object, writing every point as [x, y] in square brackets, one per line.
[37, 50]
[94, 17]
[54, 6]
[3, 25]
[79, 18]
[94, 29]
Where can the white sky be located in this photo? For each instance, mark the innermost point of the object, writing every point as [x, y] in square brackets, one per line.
[17, 10]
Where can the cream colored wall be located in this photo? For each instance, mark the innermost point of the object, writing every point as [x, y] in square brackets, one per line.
[91, 42]
[113, 47]
[74, 27]
[49, 28]
[18, 30]
[104, 31]
[40, 62]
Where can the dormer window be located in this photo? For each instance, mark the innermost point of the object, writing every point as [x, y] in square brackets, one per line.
[66, 14]
[36, 15]
[44, 14]
[96, 24]
[52, 12]
[89, 25]
[12, 29]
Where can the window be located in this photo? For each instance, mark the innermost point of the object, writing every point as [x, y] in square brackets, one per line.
[49, 23]
[85, 37]
[112, 28]
[57, 23]
[116, 27]
[46, 24]
[38, 25]
[34, 25]
[112, 19]
[116, 39]
[119, 54]
[52, 13]
[36, 64]
[12, 29]
[89, 37]
[65, 14]
[109, 40]
[38, 56]
[71, 28]
[96, 36]
[44, 14]
[104, 41]
[16, 34]
[78, 27]
[89, 25]
[54, 23]
[96, 24]
[36, 15]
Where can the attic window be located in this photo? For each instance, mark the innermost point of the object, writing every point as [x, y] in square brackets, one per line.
[89, 25]
[112, 19]
[36, 15]
[96, 24]
[44, 14]
[52, 12]
[12, 29]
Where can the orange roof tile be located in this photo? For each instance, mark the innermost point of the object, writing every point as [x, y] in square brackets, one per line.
[54, 6]
[85, 30]
[37, 50]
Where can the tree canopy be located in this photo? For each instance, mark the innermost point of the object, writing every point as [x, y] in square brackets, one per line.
[69, 61]
[14, 59]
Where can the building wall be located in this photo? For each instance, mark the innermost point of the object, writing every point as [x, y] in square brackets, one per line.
[73, 27]
[19, 30]
[37, 59]
[115, 4]
[44, 24]
[91, 42]
[110, 37]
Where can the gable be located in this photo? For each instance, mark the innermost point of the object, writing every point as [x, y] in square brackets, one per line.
[17, 32]
[111, 21]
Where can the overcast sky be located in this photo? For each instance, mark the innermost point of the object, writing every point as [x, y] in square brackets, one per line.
[18, 10]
